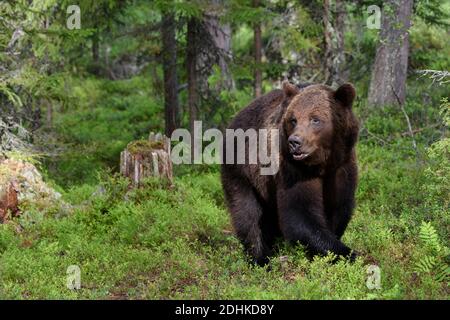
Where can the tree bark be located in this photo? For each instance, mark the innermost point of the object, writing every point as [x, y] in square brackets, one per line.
[220, 34]
[328, 71]
[169, 57]
[258, 54]
[388, 83]
[191, 61]
[95, 48]
[340, 42]
[334, 43]
[49, 113]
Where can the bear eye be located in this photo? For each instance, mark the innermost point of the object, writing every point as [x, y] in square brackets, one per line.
[293, 121]
[315, 121]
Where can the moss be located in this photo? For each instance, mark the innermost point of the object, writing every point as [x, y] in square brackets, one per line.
[144, 146]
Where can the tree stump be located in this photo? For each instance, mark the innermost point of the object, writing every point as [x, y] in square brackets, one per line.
[147, 158]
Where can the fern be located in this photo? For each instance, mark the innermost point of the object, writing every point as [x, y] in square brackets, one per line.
[434, 263]
[442, 272]
[429, 236]
[426, 264]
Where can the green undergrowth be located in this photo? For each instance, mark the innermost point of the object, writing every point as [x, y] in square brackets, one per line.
[176, 242]
[162, 242]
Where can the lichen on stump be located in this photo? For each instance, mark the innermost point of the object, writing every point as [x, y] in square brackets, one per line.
[147, 158]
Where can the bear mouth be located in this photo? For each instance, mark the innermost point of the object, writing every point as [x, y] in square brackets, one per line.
[300, 156]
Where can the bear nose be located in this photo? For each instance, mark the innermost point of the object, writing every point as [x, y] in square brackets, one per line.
[295, 142]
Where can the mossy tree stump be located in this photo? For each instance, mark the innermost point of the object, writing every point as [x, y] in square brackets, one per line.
[147, 158]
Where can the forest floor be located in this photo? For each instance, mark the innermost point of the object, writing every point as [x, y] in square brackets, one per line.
[157, 242]
[154, 243]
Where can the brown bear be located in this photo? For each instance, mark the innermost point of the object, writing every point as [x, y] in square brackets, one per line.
[311, 197]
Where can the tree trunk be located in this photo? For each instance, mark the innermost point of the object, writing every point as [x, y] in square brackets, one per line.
[258, 54]
[334, 43]
[169, 57]
[388, 83]
[95, 48]
[220, 34]
[339, 61]
[49, 113]
[96, 70]
[328, 66]
[147, 158]
[191, 62]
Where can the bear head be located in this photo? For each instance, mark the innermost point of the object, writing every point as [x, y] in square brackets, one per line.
[318, 126]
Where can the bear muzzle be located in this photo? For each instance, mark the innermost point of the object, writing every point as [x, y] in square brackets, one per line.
[297, 149]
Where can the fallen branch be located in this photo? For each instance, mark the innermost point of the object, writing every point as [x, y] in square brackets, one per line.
[436, 75]
[403, 134]
[376, 137]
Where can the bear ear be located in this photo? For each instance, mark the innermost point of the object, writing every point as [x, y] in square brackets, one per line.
[345, 94]
[289, 89]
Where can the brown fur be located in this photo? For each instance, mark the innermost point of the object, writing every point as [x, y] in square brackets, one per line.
[309, 200]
